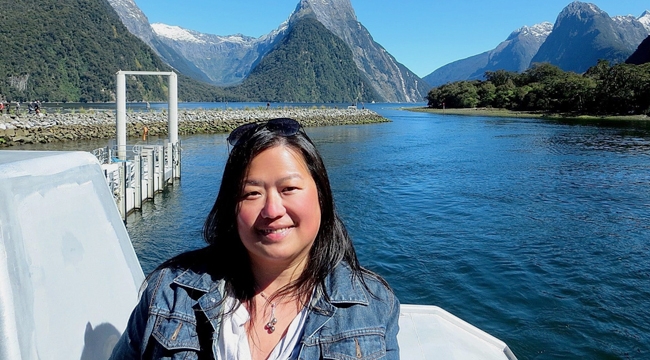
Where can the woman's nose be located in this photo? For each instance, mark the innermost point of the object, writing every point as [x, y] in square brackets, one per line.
[273, 207]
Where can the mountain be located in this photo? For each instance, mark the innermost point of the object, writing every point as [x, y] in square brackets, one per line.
[513, 54]
[310, 64]
[225, 60]
[70, 50]
[642, 53]
[390, 79]
[138, 24]
[645, 20]
[583, 34]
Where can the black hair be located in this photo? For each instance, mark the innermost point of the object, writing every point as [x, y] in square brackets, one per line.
[226, 257]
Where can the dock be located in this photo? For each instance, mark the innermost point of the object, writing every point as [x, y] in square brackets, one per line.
[135, 173]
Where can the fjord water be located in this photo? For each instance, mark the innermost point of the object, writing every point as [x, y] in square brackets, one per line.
[535, 231]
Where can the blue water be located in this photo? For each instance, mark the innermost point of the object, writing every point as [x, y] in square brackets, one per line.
[535, 231]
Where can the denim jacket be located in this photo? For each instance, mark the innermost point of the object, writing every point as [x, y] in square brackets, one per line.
[353, 324]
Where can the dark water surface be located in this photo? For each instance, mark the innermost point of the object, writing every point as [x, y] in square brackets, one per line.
[536, 232]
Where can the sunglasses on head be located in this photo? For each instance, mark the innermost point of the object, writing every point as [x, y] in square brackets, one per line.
[280, 126]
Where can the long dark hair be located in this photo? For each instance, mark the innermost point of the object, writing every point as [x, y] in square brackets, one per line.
[226, 257]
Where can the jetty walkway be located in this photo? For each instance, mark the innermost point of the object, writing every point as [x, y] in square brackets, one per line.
[92, 124]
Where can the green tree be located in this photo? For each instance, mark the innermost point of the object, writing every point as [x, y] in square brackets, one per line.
[505, 95]
[486, 92]
[500, 77]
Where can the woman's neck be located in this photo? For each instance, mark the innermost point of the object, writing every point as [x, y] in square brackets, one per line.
[272, 277]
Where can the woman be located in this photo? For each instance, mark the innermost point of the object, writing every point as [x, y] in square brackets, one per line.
[279, 278]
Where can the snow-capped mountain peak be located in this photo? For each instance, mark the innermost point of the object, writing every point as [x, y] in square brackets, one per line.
[645, 20]
[537, 30]
[176, 33]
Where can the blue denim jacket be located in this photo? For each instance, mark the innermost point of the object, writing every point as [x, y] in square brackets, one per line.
[353, 324]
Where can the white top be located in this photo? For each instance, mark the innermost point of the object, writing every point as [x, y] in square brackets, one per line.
[232, 343]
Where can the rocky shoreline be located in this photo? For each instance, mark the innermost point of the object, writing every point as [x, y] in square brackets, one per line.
[45, 128]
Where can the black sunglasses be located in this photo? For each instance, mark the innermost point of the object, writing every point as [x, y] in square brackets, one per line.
[281, 126]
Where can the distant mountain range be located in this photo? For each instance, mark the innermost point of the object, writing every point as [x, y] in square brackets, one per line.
[513, 54]
[229, 60]
[582, 34]
[69, 50]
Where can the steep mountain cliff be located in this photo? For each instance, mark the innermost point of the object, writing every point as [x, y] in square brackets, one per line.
[645, 20]
[390, 79]
[310, 64]
[70, 50]
[642, 53]
[513, 54]
[583, 34]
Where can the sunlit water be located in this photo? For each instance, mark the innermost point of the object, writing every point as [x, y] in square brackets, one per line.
[536, 232]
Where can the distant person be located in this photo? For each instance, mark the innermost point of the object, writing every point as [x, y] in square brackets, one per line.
[17, 107]
[279, 278]
[30, 107]
[2, 107]
[37, 107]
[268, 105]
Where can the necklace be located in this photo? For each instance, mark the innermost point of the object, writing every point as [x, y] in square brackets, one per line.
[270, 326]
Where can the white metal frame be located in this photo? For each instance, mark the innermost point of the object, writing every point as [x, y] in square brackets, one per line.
[172, 114]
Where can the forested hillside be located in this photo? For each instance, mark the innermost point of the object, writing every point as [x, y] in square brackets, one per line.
[70, 50]
[309, 65]
[621, 89]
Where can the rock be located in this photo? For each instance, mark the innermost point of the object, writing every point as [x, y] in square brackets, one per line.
[101, 125]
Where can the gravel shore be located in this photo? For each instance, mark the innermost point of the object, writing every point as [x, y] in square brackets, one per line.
[45, 128]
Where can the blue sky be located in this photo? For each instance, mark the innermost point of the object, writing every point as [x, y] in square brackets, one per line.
[421, 34]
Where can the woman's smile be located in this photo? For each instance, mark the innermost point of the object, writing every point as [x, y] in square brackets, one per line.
[279, 212]
[275, 234]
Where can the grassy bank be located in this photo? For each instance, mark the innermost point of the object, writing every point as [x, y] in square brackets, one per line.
[528, 114]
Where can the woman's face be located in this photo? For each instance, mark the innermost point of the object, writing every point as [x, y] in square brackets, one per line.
[279, 213]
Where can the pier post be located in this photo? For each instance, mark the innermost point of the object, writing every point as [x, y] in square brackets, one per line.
[174, 159]
[176, 153]
[121, 115]
[137, 183]
[161, 168]
[172, 114]
[150, 172]
[122, 185]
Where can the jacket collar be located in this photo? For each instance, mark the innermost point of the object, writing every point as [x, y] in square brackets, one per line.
[341, 286]
[197, 281]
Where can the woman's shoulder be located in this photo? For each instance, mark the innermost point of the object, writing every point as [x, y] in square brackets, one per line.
[352, 283]
[189, 268]
[197, 278]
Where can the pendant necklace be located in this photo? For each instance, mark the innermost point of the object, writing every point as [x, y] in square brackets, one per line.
[270, 326]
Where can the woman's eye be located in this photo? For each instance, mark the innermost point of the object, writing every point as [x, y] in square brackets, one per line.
[289, 189]
[250, 195]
